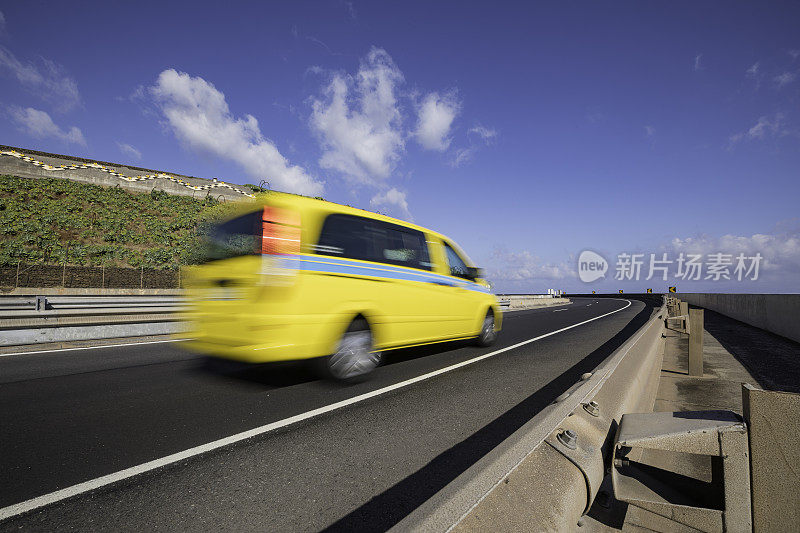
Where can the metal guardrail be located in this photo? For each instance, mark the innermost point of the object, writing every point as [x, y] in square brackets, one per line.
[547, 474]
[508, 301]
[32, 318]
[41, 318]
[525, 296]
[11, 304]
[38, 319]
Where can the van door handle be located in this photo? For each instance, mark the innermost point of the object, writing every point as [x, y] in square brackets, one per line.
[446, 284]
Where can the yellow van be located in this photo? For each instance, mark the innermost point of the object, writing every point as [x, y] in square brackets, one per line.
[293, 278]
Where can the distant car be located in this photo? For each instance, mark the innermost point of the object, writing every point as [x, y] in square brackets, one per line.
[297, 278]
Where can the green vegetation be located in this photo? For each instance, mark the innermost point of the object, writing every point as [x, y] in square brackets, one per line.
[53, 221]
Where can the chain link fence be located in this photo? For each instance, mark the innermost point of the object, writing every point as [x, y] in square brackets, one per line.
[70, 276]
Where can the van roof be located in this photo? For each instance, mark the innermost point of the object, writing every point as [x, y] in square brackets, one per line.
[345, 209]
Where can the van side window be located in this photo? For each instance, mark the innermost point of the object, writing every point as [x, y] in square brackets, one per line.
[362, 238]
[458, 267]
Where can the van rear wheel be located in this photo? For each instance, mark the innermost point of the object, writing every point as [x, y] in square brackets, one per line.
[353, 357]
[488, 335]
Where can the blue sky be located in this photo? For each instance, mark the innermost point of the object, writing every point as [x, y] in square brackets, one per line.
[528, 133]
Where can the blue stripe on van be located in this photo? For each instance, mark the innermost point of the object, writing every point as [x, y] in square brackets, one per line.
[354, 267]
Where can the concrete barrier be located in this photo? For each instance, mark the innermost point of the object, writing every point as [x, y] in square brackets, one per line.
[774, 431]
[545, 476]
[22, 337]
[776, 313]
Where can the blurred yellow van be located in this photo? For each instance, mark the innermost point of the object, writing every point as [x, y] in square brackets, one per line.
[293, 278]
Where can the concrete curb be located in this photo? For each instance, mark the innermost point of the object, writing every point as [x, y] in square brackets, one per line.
[23, 337]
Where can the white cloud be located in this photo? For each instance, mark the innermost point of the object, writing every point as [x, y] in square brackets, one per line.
[395, 201]
[524, 266]
[780, 251]
[794, 53]
[754, 73]
[321, 44]
[463, 156]
[359, 122]
[351, 10]
[698, 62]
[129, 150]
[435, 118]
[761, 130]
[38, 124]
[595, 117]
[763, 124]
[49, 82]
[649, 131]
[2, 22]
[200, 118]
[785, 78]
[488, 135]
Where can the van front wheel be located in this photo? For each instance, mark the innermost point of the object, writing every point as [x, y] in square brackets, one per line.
[488, 335]
[354, 356]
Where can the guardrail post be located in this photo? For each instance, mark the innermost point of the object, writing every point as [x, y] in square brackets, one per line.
[684, 309]
[695, 342]
[675, 502]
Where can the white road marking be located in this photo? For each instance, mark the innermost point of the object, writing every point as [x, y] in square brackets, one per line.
[557, 310]
[92, 484]
[93, 347]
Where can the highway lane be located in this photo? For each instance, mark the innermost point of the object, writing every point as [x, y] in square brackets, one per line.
[101, 412]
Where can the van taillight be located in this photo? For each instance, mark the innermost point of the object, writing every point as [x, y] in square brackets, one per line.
[280, 231]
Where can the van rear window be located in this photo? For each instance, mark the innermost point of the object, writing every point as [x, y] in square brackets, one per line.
[236, 237]
[362, 238]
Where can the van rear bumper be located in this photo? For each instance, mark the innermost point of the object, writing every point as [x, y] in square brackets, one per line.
[266, 339]
[254, 353]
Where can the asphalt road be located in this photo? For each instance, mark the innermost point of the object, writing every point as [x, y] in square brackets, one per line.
[69, 417]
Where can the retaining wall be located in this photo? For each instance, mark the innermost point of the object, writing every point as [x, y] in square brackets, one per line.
[179, 184]
[776, 313]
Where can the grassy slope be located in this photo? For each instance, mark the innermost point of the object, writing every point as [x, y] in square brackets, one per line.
[50, 220]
